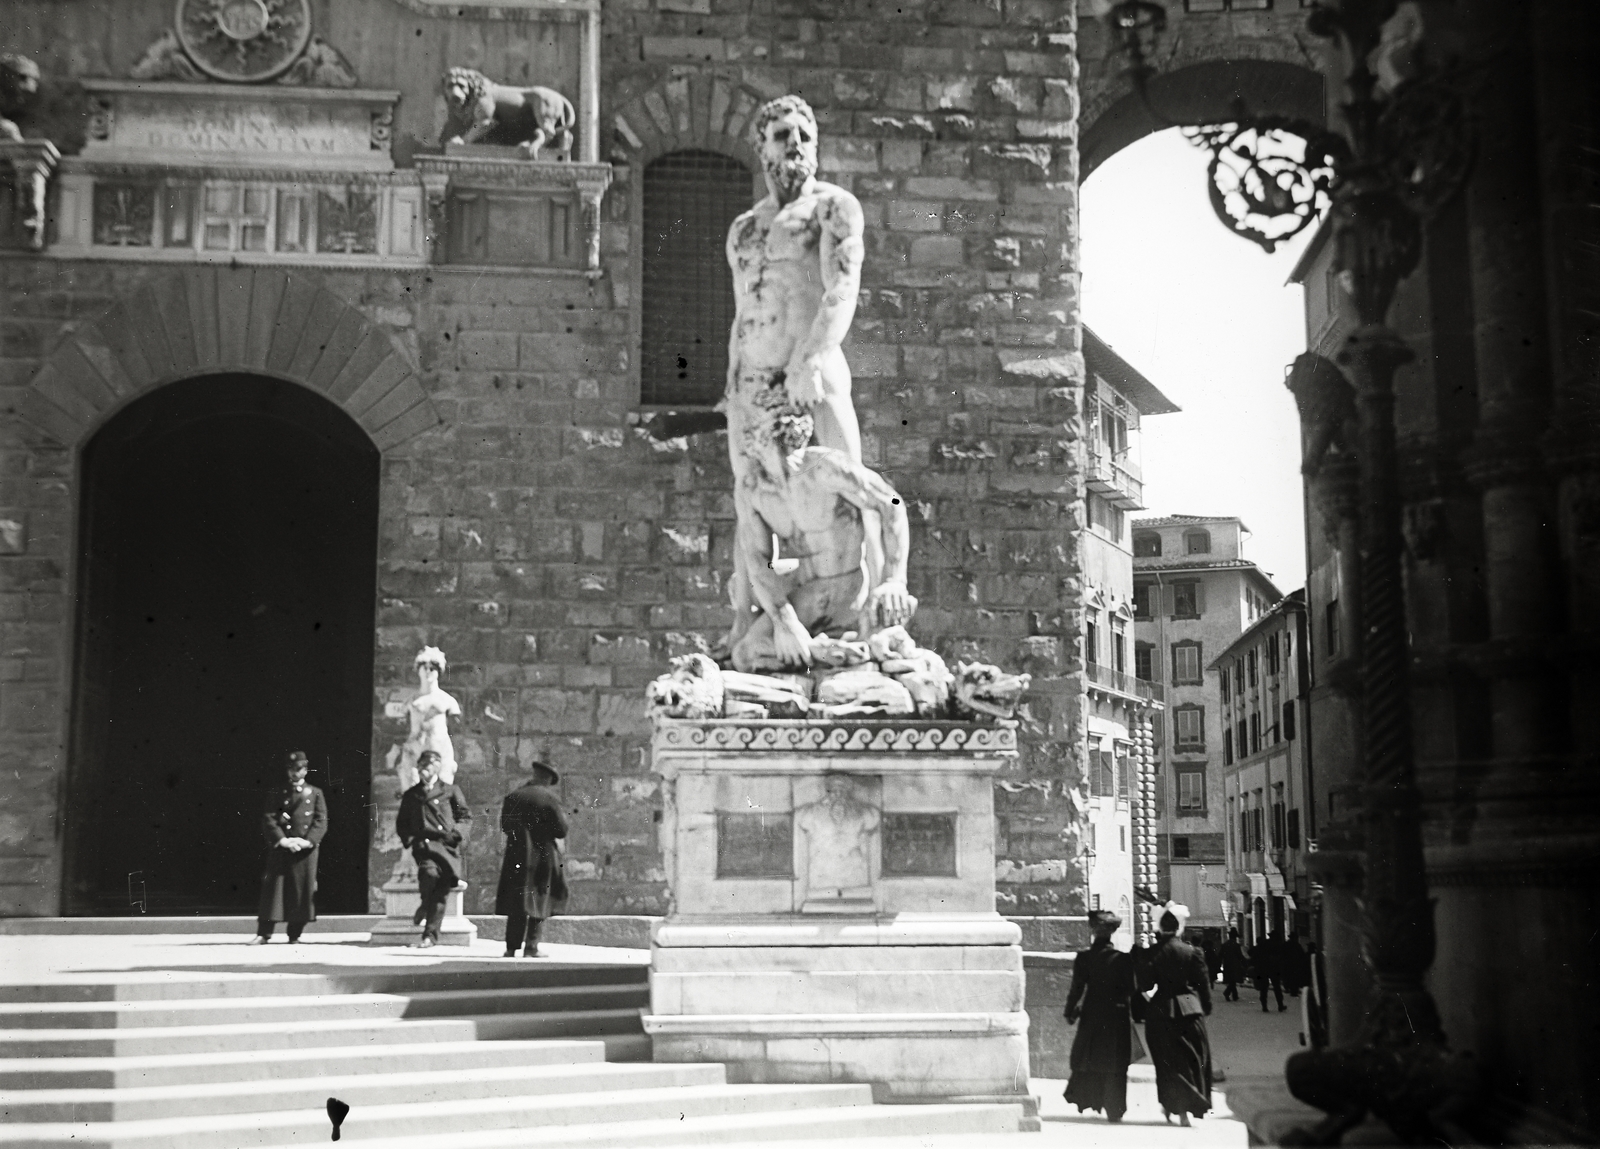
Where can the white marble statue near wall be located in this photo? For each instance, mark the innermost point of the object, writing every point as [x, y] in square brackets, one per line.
[429, 716]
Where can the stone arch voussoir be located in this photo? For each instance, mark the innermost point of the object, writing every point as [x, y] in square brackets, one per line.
[1200, 87]
[192, 321]
[692, 108]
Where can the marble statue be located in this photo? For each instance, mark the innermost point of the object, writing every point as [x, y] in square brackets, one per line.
[693, 689]
[480, 111]
[813, 502]
[838, 832]
[987, 690]
[429, 713]
[31, 160]
[796, 262]
[19, 92]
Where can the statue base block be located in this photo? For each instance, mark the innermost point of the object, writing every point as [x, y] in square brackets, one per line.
[400, 901]
[833, 908]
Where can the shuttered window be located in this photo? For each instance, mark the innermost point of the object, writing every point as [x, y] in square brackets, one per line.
[690, 200]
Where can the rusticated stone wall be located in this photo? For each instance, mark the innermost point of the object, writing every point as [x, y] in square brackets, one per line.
[556, 552]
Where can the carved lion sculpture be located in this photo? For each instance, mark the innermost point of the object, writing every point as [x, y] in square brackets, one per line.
[985, 689]
[481, 111]
[19, 91]
[693, 690]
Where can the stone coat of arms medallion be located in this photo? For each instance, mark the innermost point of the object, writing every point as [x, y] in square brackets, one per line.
[244, 41]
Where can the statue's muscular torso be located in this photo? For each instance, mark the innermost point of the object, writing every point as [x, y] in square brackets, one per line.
[791, 262]
[775, 253]
[814, 522]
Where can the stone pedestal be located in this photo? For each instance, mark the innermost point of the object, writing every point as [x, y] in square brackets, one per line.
[401, 897]
[833, 907]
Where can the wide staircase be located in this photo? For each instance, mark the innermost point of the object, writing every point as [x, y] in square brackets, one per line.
[471, 1055]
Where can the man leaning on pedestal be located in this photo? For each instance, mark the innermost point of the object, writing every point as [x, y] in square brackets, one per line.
[293, 823]
[428, 823]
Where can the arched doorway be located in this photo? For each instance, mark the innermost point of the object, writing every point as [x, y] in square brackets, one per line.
[227, 558]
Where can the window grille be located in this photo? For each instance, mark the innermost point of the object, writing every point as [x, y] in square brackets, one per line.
[690, 200]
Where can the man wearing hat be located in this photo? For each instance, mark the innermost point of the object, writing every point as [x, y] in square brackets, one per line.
[1102, 1004]
[429, 823]
[293, 822]
[532, 886]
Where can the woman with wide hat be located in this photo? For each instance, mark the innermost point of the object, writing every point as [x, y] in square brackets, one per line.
[532, 886]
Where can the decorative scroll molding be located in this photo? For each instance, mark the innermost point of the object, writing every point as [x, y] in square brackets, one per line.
[812, 737]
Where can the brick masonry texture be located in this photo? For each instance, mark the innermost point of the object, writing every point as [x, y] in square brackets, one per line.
[556, 552]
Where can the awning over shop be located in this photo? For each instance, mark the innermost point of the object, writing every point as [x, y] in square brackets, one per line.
[1258, 885]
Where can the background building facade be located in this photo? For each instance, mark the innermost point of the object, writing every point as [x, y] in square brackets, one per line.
[1262, 687]
[1122, 707]
[1194, 592]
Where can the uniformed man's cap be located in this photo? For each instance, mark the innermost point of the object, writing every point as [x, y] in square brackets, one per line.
[296, 759]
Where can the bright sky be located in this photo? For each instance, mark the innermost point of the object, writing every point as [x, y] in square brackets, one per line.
[1207, 317]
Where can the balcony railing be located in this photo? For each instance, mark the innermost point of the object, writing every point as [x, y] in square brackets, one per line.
[1114, 479]
[1122, 683]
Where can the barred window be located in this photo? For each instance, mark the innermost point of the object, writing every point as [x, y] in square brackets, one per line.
[691, 198]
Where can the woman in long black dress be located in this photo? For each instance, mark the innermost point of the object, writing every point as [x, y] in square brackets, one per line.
[1100, 1003]
[1175, 1021]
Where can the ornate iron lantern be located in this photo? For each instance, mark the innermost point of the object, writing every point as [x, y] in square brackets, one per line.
[1403, 149]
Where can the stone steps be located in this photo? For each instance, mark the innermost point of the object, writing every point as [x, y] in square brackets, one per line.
[189, 1069]
[450, 975]
[520, 1113]
[325, 1007]
[466, 1054]
[402, 1083]
[291, 1034]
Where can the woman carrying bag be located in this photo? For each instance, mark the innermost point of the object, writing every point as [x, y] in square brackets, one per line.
[1175, 1019]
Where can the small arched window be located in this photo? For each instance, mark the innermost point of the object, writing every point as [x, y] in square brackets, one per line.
[1197, 542]
[686, 299]
[1147, 545]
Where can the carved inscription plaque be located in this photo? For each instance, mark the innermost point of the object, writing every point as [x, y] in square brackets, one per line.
[919, 845]
[755, 845]
[263, 128]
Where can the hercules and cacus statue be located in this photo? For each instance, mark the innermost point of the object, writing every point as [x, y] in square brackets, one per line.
[819, 568]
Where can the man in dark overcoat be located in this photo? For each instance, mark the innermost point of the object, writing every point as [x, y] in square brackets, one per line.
[293, 822]
[532, 886]
[1234, 966]
[1102, 1003]
[429, 822]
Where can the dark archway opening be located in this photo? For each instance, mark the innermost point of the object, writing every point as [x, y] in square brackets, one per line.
[227, 562]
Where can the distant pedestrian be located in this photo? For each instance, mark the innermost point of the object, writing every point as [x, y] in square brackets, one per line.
[293, 822]
[1103, 1003]
[428, 823]
[1296, 966]
[1234, 966]
[1175, 1019]
[1269, 961]
[532, 886]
